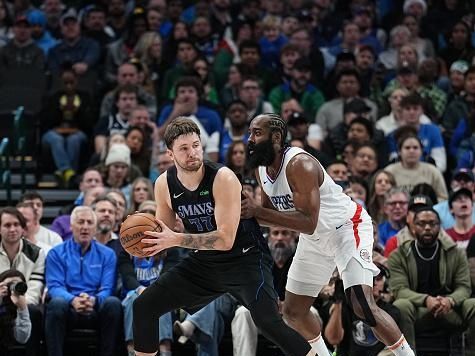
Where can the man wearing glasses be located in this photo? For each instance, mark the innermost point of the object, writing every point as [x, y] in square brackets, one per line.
[395, 208]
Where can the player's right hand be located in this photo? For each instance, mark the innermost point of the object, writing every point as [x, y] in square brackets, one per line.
[248, 206]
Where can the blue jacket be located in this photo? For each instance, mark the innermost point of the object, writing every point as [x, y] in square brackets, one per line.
[84, 50]
[68, 273]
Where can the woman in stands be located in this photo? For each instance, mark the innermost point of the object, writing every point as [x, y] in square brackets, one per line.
[382, 182]
[139, 154]
[141, 191]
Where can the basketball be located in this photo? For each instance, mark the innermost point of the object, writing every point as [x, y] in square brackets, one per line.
[132, 233]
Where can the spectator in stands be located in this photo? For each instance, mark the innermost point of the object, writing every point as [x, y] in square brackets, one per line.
[20, 254]
[250, 65]
[299, 88]
[205, 40]
[117, 17]
[381, 183]
[119, 51]
[299, 129]
[424, 46]
[33, 227]
[15, 323]
[236, 158]
[21, 52]
[155, 16]
[357, 190]
[6, 32]
[186, 55]
[95, 27]
[398, 37]
[288, 55]
[461, 207]
[282, 244]
[338, 171]
[42, 37]
[127, 75]
[337, 137]
[394, 120]
[428, 302]
[81, 52]
[126, 101]
[230, 92]
[188, 93]
[456, 117]
[121, 201]
[429, 134]
[271, 41]
[250, 92]
[348, 87]
[91, 178]
[118, 170]
[462, 178]
[365, 161]
[67, 116]
[406, 72]
[395, 209]
[405, 234]
[411, 171]
[428, 73]
[139, 154]
[471, 262]
[365, 60]
[89, 298]
[203, 70]
[457, 81]
[350, 39]
[53, 10]
[149, 50]
[141, 190]
[459, 45]
[236, 117]
[105, 209]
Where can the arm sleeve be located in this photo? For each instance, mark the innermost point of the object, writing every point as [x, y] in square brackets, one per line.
[164, 115]
[462, 285]
[36, 282]
[22, 329]
[440, 158]
[56, 277]
[108, 277]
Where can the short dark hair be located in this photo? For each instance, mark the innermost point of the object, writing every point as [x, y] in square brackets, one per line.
[10, 210]
[348, 72]
[470, 70]
[404, 138]
[179, 126]
[23, 204]
[190, 81]
[249, 44]
[235, 102]
[126, 88]
[365, 122]
[412, 99]
[30, 195]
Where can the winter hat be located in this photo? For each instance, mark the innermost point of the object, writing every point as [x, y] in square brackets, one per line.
[408, 3]
[118, 153]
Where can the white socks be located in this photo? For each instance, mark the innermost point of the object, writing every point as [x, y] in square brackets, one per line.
[318, 346]
[401, 348]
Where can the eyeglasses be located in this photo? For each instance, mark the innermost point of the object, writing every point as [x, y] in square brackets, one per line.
[368, 157]
[394, 203]
[423, 224]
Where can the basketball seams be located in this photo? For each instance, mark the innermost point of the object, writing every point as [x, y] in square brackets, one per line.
[138, 229]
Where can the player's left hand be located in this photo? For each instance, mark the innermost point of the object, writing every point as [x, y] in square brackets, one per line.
[161, 240]
[248, 206]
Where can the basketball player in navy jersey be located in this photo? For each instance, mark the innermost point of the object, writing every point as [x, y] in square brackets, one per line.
[229, 254]
[298, 194]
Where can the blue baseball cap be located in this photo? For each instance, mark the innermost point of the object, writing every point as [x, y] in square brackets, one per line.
[36, 17]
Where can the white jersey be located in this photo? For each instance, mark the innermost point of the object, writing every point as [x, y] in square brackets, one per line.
[336, 208]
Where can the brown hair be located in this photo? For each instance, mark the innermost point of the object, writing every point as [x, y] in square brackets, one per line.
[180, 126]
[13, 211]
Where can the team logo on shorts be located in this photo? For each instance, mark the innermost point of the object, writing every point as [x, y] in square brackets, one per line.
[365, 255]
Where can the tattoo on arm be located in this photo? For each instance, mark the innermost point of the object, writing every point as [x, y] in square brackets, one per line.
[200, 241]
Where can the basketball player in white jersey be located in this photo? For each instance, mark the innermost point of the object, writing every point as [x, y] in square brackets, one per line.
[299, 195]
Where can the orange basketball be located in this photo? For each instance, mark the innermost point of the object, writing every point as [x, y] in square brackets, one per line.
[132, 232]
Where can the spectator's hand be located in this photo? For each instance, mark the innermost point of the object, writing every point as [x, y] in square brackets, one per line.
[78, 304]
[155, 131]
[3, 290]
[248, 205]
[80, 68]
[432, 303]
[445, 306]
[19, 301]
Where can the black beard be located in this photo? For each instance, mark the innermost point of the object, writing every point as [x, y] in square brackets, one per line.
[426, 243]
[263, 154]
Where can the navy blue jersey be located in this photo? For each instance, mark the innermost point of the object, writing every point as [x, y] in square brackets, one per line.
[196, 209]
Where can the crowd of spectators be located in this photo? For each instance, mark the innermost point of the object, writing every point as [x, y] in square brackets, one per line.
[381, 92]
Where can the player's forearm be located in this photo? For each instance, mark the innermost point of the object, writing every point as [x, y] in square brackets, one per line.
[293, 220]
[213, 240]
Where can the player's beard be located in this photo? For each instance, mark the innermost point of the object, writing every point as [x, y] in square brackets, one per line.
[193, 168]
[263, 154]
